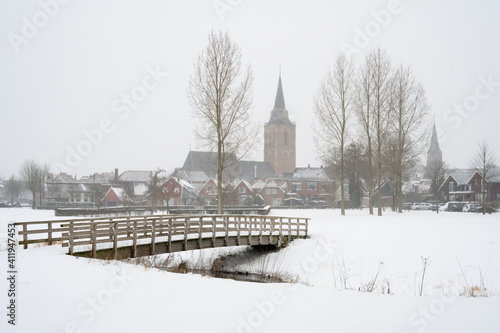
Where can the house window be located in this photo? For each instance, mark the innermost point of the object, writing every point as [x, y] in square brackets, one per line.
[176, 190]
[285, 138]
[275, 191]
[450, 186]
[296, 187]
[242, 189]
[268, 191]
[311, 186]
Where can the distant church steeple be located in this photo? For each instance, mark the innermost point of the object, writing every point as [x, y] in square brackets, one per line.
[434, 153]
[279, 136]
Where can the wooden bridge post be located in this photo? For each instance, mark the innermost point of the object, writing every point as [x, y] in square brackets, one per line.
[169, 236]
[281, 231]
[25, 236]
[238, 226]
[214, 223]
[289, 229]
[111, 228]
[260, 231]
[307, 226]
[200, 233]
[115, 240]
[134, 240]
[186, 221]
[70, 238]
[226, 226]
[49, 230]
[298, 227]
[93, 235]
[250, 232]
[153, 237]
[271, 227]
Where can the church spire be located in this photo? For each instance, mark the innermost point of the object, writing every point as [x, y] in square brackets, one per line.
[279, 114]
[434, 146]
[279, 102]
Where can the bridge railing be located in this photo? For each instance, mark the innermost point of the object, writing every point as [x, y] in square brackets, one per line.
[114, 232]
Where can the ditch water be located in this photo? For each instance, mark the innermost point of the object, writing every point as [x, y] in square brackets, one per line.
[237, 276]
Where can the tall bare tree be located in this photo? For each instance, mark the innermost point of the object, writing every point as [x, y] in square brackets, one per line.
[408, 128]
[364, 108]
[381, 80]
[333, 105]
[220, 95]
[13, 188]
[437, 172]
[32, 175]
[485, 163]
[156, 181]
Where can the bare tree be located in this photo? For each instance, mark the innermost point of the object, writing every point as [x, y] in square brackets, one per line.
[156, 181]
[220, 95]
[484, 162]
[13, 188]
[32, 175]
[332, 106]
[381, 80]
[437, 172]
[408, 128]
[364, 107]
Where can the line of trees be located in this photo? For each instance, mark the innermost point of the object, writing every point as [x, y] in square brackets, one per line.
[31, 177]
[390, 123]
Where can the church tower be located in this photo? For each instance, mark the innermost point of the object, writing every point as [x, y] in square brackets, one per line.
[434, 153]
[279, 137]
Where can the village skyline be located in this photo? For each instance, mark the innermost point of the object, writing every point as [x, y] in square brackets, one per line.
[70, 100]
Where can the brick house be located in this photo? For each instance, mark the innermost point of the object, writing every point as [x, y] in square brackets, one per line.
[310, 185]
[457, 187]
[492, 187]
[208, 193]
[242, 193]
[115, 197]
[272, 194]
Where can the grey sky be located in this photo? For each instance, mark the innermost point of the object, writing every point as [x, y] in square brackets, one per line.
[71, 74]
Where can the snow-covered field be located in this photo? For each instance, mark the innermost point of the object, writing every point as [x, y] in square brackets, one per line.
[59, 293]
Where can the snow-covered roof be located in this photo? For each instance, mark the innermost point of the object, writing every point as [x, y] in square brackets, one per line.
[309, 175]
[462, 178]
[135, 176]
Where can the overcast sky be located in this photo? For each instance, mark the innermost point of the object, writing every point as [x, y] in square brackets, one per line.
[66, 70]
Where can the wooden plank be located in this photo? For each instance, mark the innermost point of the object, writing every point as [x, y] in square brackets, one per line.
[169, 236]
[186, 222]
[115, 240]
[25, 236]
[70, 238]
[94, 241]
[153, 235]
[200, 233]
[214, 222]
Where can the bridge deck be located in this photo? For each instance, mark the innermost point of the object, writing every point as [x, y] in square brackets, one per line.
[135, 236]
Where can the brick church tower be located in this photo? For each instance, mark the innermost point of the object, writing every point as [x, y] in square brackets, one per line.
[279, 137]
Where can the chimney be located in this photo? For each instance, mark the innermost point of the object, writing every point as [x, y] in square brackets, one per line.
[255, 172]
[116, 174]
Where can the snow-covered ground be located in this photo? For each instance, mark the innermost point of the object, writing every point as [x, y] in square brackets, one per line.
[59, 293]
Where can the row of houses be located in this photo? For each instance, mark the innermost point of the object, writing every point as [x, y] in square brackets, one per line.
[305, 186]
[467, 185]
[245, 183]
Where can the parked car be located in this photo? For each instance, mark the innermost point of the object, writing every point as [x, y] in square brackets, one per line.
[435, 207]
[488, 208]
[421, 206]
[407, 205]
[453, 206]
[470, 207]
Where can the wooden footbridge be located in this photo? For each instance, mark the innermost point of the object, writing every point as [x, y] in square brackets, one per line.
[136, 236]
